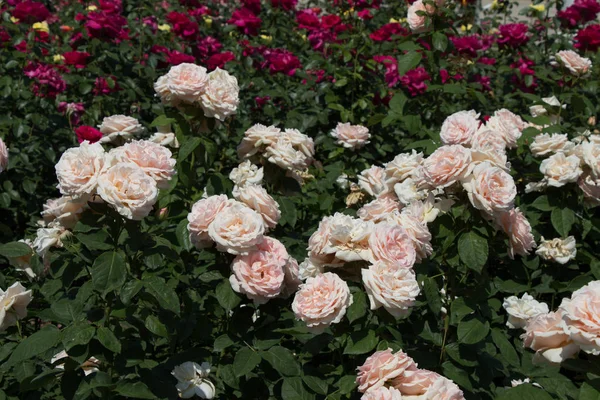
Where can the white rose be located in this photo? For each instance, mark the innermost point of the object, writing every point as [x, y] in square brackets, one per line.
[3, 156]
[372, 181]
[221, 97]
[558, 250]
[89, 366]
[490, 189]
[577, 65]
[246, 174]
[402, 167]
[351, 136]
[544, 144]
[23, 263]
[128, 189]
[496, 158]
[522, 310]
[118, 128]
[590, 188]
[308, 269]
[591, 156]
[155, 160]
[559, 170]
[79, 168]
[349, 238]
[342, 182]
[237, 229]
[392, 287]
[184, 83]
[460, 127]
[192, 380]
[300, 141]
[283, 154]
[538, 110]
[165, 137]
[257, 198]
[256, 138]
[580, 317]
[47, 238]
[64, 211]
[13, 305]
[427, 210]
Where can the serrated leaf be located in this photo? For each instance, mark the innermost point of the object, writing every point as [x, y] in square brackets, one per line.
[15, 250]
[109, 271]
[359, 306]
[473, 250]
[153, 324]
[79, 334]
[562, 220]
[108, 339]
[524, 391]
[589, 392]
[317, 385]
[130, 290]
[39, 342]
[226, 297]
[166, 297]
[222, 342]
[135, 390]
[183, 235]
[293, 389]
[188, 147]
[245, 361]
[506, 348]
[361, 342]
[472, 331]
[432, 294]
[282, 360]
[440, 41]
[408, 61]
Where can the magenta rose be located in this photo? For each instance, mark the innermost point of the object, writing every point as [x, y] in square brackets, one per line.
[88, 133]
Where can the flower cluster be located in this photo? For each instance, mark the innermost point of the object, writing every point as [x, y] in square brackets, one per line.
[388, 375]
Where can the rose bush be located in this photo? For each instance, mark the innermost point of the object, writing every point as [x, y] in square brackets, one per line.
[282, 199]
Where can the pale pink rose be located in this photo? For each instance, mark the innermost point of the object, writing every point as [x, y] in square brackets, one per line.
[509, 125]
[382, 393]
[308, 269]
[391, 243]
[202, 215]
[518, 229]
[545, 144]
[591, 156]
[118, 128]
[443, 389]
[402, 167]
[415, 382]
[381, 367]
[558, 250]
[79, 168]
[447, 165]
[486, 139]
[128, 189]
[237, 229]
[256, 138]
[417, 231]
[577, 65]
[372, 181]
[257, 198]
[184, 83]
[351, 136]
[13, 305]
[559, 169]
[408, 192]
[221, 97]
[283, 154]
[427, 210]
[3, 156]
[292, 278]
[496, 158]
[545, 335]
[521, 310]
[300, 141]
[155, 160]
[416, 22]
[379, 209]
[260, 274]
[318, 244]
[246, 174]
[590, 188]
[64, 211]
[460, 127]
[581, 316]
[322, 301]
[349, 238]
[391, 287]
[490, 189]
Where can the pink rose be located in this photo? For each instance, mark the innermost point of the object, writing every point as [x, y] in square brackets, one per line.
[202, 215]
[379, 209]
[256, 138]
[237, 229]
[260, 274]
[447, 165]
[444, 389]
[3, 156]
[155, 160]
[509, 125]
[351, 136]
[349, 238]
[402, 167]
[581, 316]
[544, 334]
[390, 286]
[518, 229]
[459, 128]
[322, 301]
[372, 181]
[415, 382]
[381, 367]
[64, 211]
[257, 198]
[318, 242]
[220, 98]
[416, 22]
[184, 83]
[490, 189]
[382, 393]
[417, 231]
[577, 65]
[391, 243]
[486, 139]
[79, 168]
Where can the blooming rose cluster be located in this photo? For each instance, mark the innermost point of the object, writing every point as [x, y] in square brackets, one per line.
[216, 92]
[559, 335]
[396, 376]
[289, 149]
[262, 268]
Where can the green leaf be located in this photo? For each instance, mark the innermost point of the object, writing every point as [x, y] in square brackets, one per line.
[188, 147]
[245, 361]
[506, 349]
[359, 306]
[293, 389]
[472, 331]
[397, 103]
[154, 325]
[361, 342]
[166, 297]
[15, 250]
[408, 61]
[130, 290]
[473, 250]
[78, 334]
[227, 298]
[222, 342]
[282, 360]
[440, 41]
[589, 392]
[136, 390]
[432, 294]
[109, 271]
[317, 385]
[524, 391]
[108, 339]
[289, 215]
[183, 236]
[542, 203]
[346, 384]
[562, 220]
[39, 342]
